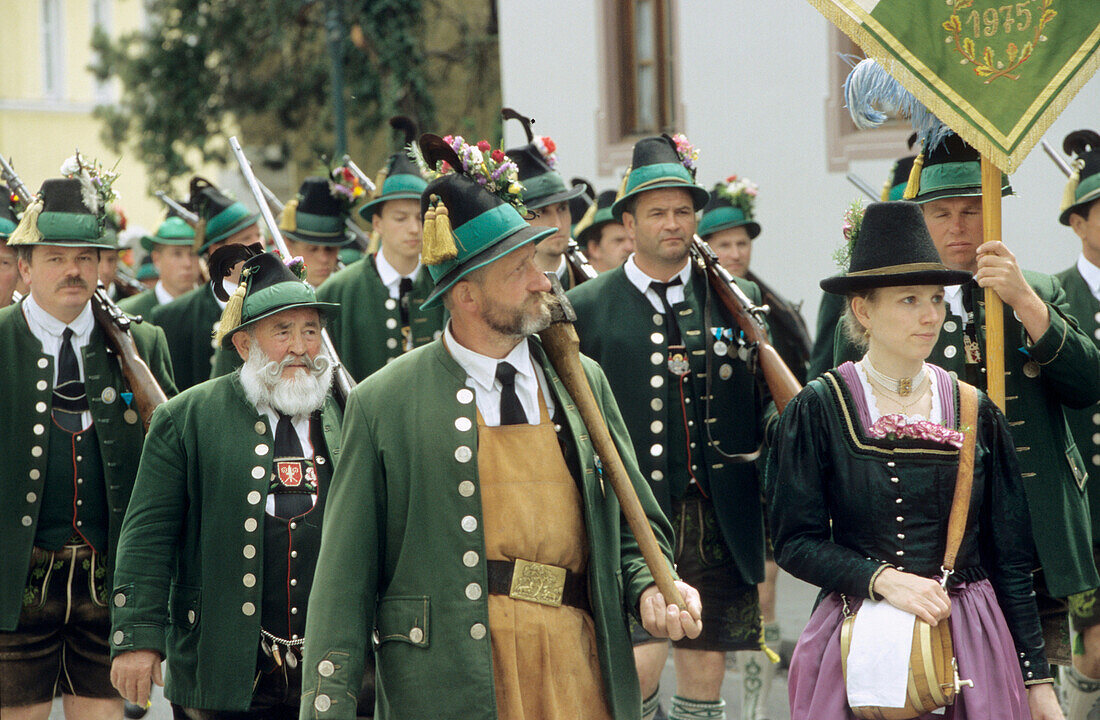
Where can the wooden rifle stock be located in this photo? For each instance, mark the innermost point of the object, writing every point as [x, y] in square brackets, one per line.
[781, 381]
[116, 326]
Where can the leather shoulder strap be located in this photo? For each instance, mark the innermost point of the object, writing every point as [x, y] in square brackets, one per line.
[960, 505]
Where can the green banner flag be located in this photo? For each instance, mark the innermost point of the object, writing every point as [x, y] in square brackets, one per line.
[998, 73]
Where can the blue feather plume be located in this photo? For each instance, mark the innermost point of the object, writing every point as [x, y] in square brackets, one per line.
[873, 96]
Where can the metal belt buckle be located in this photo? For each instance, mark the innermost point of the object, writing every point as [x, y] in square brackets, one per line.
[538, 583]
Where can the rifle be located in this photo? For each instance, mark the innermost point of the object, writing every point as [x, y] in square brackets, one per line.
[582, 270]
[115, 324]
[864, 186]
[191, 219]
[1058, 159]
[343, 381]
[781, 381]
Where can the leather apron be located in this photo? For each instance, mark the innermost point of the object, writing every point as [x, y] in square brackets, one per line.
[545, 661]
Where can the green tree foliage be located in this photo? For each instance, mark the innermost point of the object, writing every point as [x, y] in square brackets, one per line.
[264, 66]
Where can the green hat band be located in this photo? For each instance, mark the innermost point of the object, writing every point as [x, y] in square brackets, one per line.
[540, 186]
[1088, 186]
[951, 176]
[647, 175]
[403, 183]
[233, 218]
[69, 226]
[898, 191]
[278, 296]
[319, 225]
[473, 236]
[722, 218]
[6, 227]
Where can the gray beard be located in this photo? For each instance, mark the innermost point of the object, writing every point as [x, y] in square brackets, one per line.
[516, 323]
[263, 382]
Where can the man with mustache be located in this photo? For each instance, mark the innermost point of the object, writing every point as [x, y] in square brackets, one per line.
[72, 439]
[1051, 366]
[382, 295]
[220, 539]
[695, 414]
[470, 530]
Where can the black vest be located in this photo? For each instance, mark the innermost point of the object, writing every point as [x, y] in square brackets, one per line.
[74, 496]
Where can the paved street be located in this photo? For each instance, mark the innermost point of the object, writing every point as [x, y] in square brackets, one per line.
[795, 600]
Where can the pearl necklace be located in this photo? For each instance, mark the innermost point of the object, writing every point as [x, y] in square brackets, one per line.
[903, 387]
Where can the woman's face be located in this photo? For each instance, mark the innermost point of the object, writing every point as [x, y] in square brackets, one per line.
[902, 321]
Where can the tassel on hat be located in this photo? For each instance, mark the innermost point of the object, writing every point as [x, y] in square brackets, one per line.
[439, 240]
[912, 188]
[622, 185]
[586, 220]
[231, 316]
[200, 234]
[288, 218]
[27, 233]
[1069, 195]
[380, 180]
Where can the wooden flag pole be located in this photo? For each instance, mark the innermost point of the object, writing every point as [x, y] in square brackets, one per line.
[994, 308]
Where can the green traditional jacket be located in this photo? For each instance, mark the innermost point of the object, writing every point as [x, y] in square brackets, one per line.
[1059, 371]
[141, 304]
[1085, 422]
[188, 322]
[620, 329]
[25, 400]
[404, 516]
[367, 330]
[189, 582]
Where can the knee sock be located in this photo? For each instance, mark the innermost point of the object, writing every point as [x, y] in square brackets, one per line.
[1081, 695]
[684, 709]
[651, 706]
[757, 673]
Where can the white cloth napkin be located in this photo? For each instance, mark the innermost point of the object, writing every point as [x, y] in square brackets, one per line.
[878, 658]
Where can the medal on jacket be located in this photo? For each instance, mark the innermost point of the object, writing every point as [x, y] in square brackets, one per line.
[972, 349]
[678, 360]
[722, 338]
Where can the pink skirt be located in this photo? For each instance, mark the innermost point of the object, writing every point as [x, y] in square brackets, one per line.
[983, 649]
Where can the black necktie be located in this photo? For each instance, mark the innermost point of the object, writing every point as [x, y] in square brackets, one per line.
[69, 400]
[403, 289]
[291, 500]
[511, 412]
[661, 288]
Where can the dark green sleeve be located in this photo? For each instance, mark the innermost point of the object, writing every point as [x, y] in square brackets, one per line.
[342, 600]
[1069, 358]
[146, 546]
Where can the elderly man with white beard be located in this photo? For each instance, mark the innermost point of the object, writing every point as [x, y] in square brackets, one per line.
[220, 539]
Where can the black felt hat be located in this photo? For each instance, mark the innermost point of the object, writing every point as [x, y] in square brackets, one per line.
[952, 169]
[656, 163]
[401, 178]
[579, 205]
[1083, 187]
[893, 248]
[597, 216]
[316, 216]
[59, 215]
[542, 184]
[222, 216]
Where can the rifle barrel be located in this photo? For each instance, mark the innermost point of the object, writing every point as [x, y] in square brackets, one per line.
[1058, 159]
[864, 186]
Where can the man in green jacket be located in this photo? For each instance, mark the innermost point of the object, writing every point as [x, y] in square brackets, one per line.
[695, 413]
[1050, 366]
[188, 321]
[1082, 285]
[172, 249]
[382, 295]
[219, 542]
[72, 438]
[471, 530]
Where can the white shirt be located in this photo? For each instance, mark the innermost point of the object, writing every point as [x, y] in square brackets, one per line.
[1091, 274]
[641, 281]
[163, 296]
[49, 330]
[953, 295]
[481, 377]
[391, 278]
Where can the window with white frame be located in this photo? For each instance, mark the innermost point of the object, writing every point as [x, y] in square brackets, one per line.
[53, 46]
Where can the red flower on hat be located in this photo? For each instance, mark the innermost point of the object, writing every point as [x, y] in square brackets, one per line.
[498, 155]
[483, 145]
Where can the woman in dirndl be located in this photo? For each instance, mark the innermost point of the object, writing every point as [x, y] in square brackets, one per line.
[860, 483]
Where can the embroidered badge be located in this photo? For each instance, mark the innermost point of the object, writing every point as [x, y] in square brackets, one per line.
[289, 473]
[1009, 34]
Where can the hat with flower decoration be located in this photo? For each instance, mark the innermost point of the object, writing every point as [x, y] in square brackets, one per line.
[7, 212]
[660, 162]
[1084, 183]
[318, 213]
[69, 211]
[473, 210]
[401, 178]
[114, 222]
[730, 205]
[267, 286]
[219, 215]
[891, 246]
[537, 162]
[173, 231]
[598, 215]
